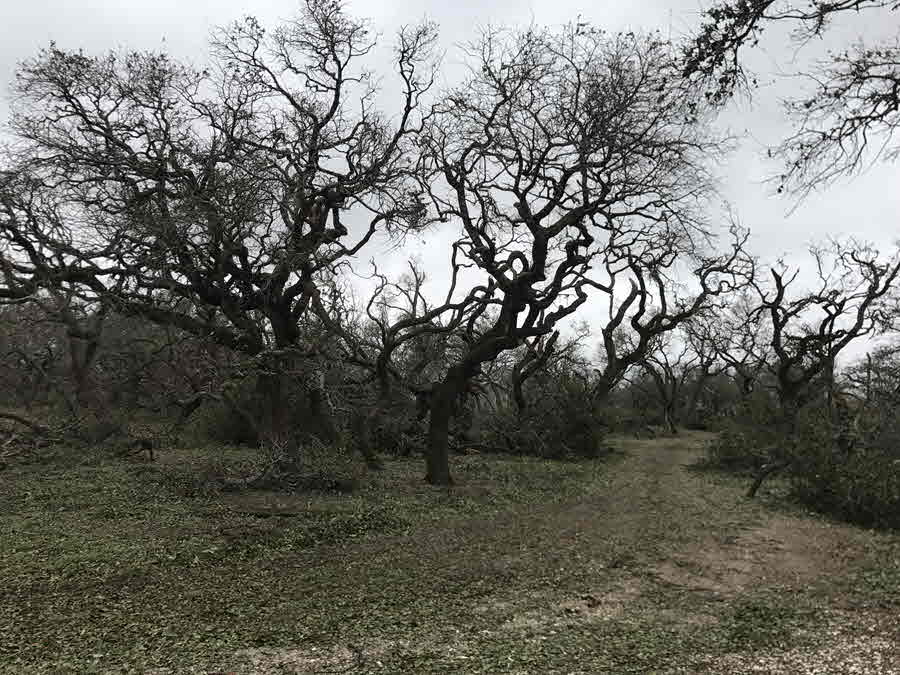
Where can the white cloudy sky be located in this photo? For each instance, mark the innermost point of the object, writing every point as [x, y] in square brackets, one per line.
[866, 206]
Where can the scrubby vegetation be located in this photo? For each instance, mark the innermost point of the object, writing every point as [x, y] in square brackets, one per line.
[844, 461]
[626, 565]
[217, 408]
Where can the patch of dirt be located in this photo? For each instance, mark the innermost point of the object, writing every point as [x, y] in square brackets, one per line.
[605, 606]
[333, 660]
[310, 660]
[783, 551]
[265, 503]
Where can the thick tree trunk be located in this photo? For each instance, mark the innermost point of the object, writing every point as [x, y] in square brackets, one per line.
[437, 458]
[82, 353]
[86, 396]
[437, 454]
[273, 425]
[321, 412]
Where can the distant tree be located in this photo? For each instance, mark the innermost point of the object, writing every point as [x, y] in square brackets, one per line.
[741, 339]
[708, 366]
[810, 330]
[657, 303]
[678, 364]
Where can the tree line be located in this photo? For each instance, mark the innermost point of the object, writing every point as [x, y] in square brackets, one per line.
[173, 237]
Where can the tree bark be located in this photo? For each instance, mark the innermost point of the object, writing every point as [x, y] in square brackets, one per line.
[669, 416]
[273, 419]
[437, 456]
[321, 413]
[82, 355]
[518, 395]
[767, 470]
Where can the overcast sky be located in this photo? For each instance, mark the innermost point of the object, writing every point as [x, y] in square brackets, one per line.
[866, 206]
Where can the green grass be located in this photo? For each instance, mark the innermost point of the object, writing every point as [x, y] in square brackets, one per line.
[152, 564]
[524, 566]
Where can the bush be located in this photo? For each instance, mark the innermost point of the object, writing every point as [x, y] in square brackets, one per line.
[624, 419]
[861, 485]
[558, 424]
[219, 423]
[864, 488]
[739, 448]
[748, 440]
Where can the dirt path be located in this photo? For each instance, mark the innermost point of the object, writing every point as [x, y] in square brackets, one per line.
[658, 568]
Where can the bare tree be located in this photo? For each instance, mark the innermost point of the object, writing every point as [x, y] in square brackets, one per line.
[699, 333]
[679, 364]
[221, 195]
[404, 342]
[740, 337]
[654, 306]
[563, 149]
[852, 109]
[809, 331]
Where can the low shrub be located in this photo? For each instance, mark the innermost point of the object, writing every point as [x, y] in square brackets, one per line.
[563, 424]
[628, 420]
[737, 448]
[217, 422]
[830, 465]
[860, 484]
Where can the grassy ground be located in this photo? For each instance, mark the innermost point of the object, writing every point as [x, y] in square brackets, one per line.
[637, 564]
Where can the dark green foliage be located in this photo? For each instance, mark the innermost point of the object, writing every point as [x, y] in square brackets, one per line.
[394, 431]
[226, 421]
[828, 467]
[561, 424]
[220, 425]
[863, 488]
[749, 439]
[861, 484]
[737, 448]
[625, 419]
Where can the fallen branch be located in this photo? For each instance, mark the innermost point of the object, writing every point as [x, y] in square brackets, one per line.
[33, 426]
[766, 471]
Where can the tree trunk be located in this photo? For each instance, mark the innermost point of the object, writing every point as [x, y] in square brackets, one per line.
[602, 389]
[518, 395]
[669, 416]
[320, 408]
[82, 353]
[273, 425]
[690, 415]
[766, 471]
[437, 455]
[363, 427]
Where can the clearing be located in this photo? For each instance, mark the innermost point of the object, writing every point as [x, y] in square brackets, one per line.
[636, 564]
